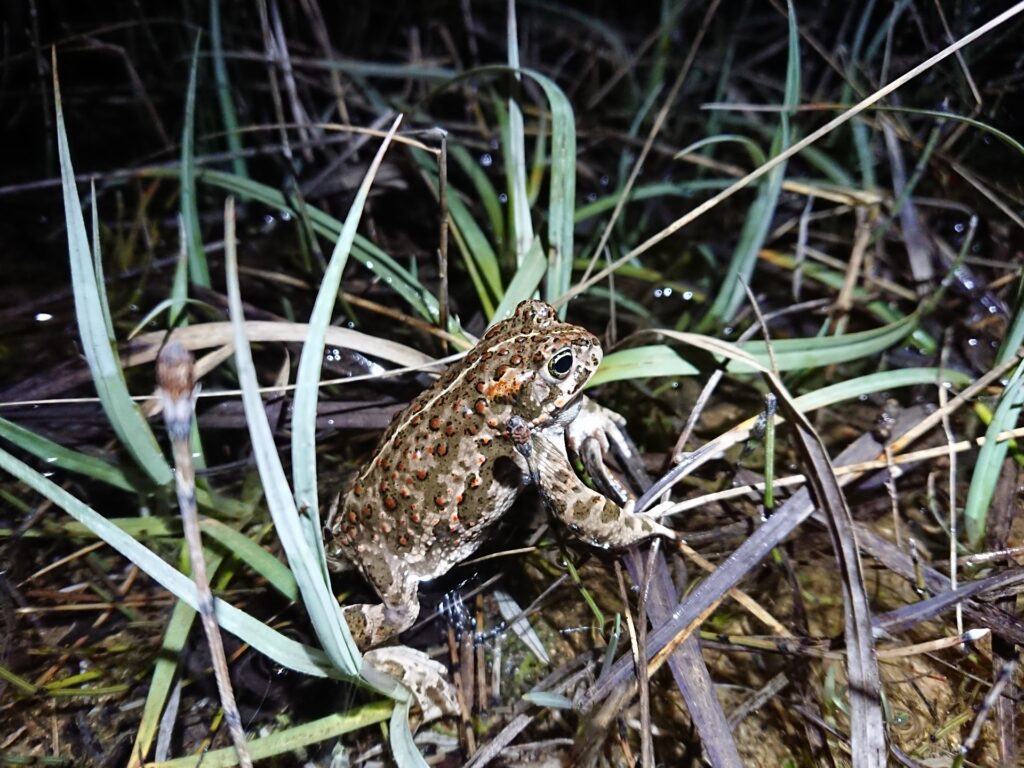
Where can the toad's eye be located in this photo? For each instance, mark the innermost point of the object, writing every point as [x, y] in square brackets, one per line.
[560, 363]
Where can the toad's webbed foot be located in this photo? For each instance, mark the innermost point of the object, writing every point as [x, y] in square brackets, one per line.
[425, 679]
[596, 433]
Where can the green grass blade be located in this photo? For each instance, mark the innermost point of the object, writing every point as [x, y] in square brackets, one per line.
[751, 239]
[759, 218]
[307, 385]
[814, 157]
[816, 352]
[540, 153]
[227, 106]
[64, 458]
[562, 198]
[957, 118]
[660, 360]
[263, 638]
[125, 418]
[755, 152]
[860, 130]
[25, 687]
[611, 41]
[373, 258]
[136, 527]
[877, 308]
[371, 69]
[990, 459]
[479, 256]
[561, 207]
[476, 252]
[515, 140]
[174, 306]
[648, 192]
[391, 272]
[240, 546]
[322, 608]
[289, 739]
[642, 362]
[479, 248]
[403, 748]
[245, 549]
[179, 285]
[1015, 335]
[485, 192]
[624, 302]
[164, 669]
[524, 283]
[253, 555]
[97, 265]
[548, 700]
[881, 381]
[727, 59]
[790, 354]
[199, 272]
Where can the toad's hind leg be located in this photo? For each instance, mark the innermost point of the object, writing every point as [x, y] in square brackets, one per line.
[374, 624]
[590, 515]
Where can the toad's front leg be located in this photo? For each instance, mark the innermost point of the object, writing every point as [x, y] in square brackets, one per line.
[590, 515]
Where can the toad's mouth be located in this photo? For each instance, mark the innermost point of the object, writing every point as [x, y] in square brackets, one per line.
[562, 413]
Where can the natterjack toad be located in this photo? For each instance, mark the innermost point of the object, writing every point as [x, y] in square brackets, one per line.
[448, 467]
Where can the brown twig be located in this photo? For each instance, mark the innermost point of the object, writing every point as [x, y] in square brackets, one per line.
[174, 372]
